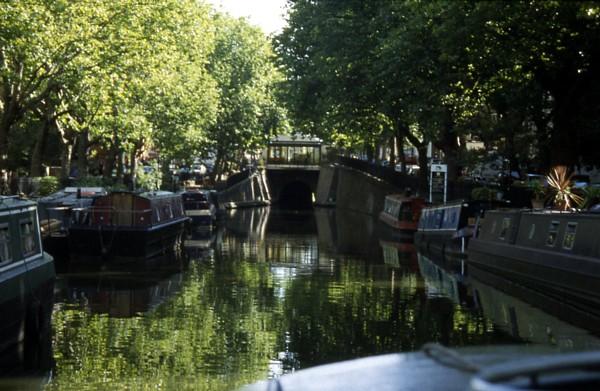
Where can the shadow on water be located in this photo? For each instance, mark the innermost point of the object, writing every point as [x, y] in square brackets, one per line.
[296, 195]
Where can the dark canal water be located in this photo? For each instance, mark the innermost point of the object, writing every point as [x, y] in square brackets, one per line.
[272, 292]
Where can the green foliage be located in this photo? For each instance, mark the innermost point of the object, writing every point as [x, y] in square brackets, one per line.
[484, 193]
[90, 181]
[48, 185]
[172, 76]
[591, 196]
[538, 190]
[151, 179]
[443, 71]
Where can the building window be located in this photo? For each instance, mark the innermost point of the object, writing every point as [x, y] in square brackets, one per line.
[5, 253]
[569, 239]
[28, 238]
[552, 233]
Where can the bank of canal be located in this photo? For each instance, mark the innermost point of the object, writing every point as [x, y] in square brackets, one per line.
[269, 293]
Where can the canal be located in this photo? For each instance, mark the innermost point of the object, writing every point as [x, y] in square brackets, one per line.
[270, 292]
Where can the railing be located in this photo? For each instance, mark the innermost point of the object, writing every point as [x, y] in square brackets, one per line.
[387, 174]
[239, 177]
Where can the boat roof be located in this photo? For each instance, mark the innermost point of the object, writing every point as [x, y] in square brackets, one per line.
[71, 192]
[14, 202]
[403, 198]
[156, 194]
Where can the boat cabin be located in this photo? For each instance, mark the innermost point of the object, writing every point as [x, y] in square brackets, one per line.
[199, 207]
[132, 210]
[128, 225]
[402, 212]
[447, 228]
[563, 232]
[26, 277]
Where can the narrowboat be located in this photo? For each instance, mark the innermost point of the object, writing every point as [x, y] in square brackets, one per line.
[446, 229]
[26, 286]
[557, 253]
[199, 208]
[128, 225]
[55, 215]
[402, 213]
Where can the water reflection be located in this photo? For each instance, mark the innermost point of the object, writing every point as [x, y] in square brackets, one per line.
[544, 323]
[26, 300]
[266, 294]
[122, 291]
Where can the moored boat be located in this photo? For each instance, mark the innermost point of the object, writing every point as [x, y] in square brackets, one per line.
[402, 212]
[26, 285]
[55, 212]
[128, 225]
[446, 229]
[199, 208]
[557, 253]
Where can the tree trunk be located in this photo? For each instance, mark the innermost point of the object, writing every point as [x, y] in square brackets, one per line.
[133, 169]
[35, 169]
[120, 165]
[7, 119]
[392, 151]
[423, 159]
[399, 141]
[82, 148]
[65, 162]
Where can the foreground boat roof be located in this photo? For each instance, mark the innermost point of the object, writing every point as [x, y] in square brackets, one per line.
[14, 202]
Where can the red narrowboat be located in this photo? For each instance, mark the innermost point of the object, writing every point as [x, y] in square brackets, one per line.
[401, 212]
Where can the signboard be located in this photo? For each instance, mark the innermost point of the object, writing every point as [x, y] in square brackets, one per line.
[438, 183]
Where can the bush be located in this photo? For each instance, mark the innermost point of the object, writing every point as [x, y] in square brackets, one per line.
[483, 194]
[48, 185]
[90, 181]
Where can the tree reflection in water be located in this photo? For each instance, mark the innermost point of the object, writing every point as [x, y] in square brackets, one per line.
[279, 293]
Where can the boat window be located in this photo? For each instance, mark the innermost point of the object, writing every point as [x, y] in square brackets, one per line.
[5, 254]
[168, 211]
[406, 213]
[552, 233]
[28, 238]
[531, 231]
[569, 239]
[157, 213]
[505, 228]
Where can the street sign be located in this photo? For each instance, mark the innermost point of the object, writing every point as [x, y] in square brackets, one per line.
[438, 182]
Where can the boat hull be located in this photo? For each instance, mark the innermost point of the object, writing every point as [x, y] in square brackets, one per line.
[125, 242]
[573, 279]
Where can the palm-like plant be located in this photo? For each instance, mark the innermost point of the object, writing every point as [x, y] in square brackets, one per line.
[560, 181]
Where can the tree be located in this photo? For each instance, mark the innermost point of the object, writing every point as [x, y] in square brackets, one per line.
[248, 114]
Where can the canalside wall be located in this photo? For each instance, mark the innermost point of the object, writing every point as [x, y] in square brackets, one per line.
[356, 190]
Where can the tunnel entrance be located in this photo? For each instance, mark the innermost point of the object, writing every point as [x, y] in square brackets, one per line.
[296, 195]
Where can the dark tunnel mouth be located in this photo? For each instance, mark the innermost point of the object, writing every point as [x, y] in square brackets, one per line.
[296, 195]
